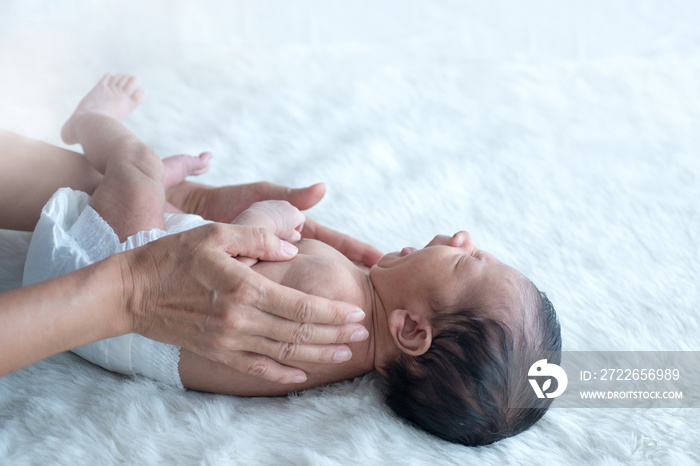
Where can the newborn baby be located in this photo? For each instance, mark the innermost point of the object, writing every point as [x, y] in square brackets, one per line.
[442, 320]
[442, 323]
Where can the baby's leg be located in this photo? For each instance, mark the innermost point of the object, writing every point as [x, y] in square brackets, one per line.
[131, 196]
[179, 167]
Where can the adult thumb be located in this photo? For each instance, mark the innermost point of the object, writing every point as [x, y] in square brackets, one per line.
[305, 198]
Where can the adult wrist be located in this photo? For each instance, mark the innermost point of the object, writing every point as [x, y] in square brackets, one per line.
[133, 289]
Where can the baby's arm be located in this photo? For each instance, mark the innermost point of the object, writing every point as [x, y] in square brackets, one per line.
[280, 217]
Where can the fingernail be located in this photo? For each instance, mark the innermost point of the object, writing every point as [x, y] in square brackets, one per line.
[359, 335]
[355, 316]
[299, 378]
[289, 249]
[342, 355]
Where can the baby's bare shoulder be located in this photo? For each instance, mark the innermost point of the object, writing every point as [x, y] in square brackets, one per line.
[312, 247]
[321, 270]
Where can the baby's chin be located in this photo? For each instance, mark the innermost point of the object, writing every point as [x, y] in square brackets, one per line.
[388, 259]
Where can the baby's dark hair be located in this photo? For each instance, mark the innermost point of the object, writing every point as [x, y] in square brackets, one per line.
[462, 387]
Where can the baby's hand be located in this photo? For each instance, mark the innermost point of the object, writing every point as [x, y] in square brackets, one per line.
[281, 217]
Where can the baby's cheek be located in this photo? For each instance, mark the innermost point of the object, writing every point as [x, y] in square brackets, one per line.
[449, 294]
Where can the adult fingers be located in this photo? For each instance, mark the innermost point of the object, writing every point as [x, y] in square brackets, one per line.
[282, 329]
[240, 240]
[310, 353]
[301, 198]
[353, 249]
[268, 296]
[283, 351]
[293, 305]
[261, 366]
[306, 198]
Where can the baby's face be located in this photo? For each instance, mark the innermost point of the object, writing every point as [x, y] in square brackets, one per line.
[450, 271]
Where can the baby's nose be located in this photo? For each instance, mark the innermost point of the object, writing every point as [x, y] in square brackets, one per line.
[463, 239]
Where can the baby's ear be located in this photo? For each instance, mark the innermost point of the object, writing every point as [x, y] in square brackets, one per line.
[411, 331]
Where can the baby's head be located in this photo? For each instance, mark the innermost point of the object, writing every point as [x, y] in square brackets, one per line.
[456, 316]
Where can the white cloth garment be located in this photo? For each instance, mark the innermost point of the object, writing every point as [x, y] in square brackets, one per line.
[70, 235]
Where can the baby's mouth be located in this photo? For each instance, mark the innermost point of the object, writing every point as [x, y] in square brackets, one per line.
[407, 251]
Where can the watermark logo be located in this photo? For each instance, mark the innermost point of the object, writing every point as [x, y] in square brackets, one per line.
[606, 379]
[542, 368]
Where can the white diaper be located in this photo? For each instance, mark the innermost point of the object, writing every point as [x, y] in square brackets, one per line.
[70, 235]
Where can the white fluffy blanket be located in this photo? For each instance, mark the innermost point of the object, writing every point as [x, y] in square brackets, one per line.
[564, 137]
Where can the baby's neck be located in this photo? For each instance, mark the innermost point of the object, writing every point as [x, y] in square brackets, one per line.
[381, 345]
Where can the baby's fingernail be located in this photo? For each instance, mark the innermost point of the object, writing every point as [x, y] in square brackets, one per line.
[299, 378]
[289, 249]
[355, 316]
[342, 355]
[359, 335]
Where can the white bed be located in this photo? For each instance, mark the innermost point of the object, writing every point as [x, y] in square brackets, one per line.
[565, 138]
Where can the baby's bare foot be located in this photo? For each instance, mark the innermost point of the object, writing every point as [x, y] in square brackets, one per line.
[115, 96]
[179, 167]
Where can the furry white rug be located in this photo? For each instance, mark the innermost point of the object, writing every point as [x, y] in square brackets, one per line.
[565, 138]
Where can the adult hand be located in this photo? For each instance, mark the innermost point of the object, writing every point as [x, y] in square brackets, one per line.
[224, 204]
[187, 290]
[353, 249]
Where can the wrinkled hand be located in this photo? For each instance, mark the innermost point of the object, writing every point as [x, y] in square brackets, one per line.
[186, 289]
[224, 204]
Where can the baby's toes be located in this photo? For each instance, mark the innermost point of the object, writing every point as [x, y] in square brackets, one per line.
[200, 164]
[138, 96]
[121, 80]
[129, 84]
[197, 165]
